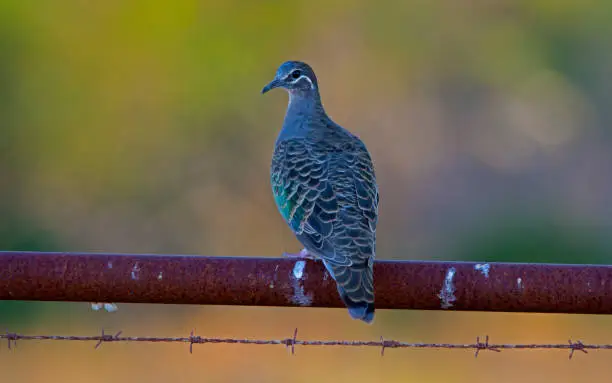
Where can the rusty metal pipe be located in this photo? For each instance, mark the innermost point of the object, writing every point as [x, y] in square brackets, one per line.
[251, 281]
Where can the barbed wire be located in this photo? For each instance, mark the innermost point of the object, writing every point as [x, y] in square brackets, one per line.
[291, 342]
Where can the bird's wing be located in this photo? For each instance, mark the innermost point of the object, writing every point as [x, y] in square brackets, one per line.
[354, 234]
[303, 193]
[327, 193]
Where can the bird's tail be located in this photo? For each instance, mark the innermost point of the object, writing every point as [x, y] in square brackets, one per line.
[356, 288]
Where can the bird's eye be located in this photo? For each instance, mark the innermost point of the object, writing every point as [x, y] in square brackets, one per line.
[296, 73]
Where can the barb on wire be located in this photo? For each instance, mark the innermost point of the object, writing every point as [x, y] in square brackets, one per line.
[387, 344]
[11, 337]
[292, 342]
[484, 346]
[192, 339]
[576, 346]
[107, 338]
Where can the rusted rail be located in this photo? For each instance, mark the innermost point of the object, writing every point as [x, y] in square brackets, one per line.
[251, 281]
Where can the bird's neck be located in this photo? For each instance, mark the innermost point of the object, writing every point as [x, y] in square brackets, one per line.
[304, 107]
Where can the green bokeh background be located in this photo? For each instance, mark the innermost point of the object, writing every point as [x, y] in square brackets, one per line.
[137, 126]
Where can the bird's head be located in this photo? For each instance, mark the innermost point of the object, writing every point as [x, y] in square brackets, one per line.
[295, 76]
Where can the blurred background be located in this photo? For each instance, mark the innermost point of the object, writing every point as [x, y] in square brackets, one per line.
[138, 126]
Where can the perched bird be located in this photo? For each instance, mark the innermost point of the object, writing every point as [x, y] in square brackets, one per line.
[324, 187]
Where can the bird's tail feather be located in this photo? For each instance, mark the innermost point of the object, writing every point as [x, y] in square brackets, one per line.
[356, 288]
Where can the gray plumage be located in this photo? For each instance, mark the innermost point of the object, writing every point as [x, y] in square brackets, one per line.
[324, 186]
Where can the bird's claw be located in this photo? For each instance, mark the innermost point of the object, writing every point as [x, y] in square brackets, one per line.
[303, 254]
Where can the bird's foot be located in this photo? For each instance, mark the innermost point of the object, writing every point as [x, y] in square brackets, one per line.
[303, 254]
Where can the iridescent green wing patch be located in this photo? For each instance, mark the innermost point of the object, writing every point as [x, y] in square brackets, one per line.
[304, 197]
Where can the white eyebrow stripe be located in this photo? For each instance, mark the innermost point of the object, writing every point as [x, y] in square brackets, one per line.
[301, 77]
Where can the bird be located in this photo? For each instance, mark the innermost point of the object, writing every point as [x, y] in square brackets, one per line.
[324, 186]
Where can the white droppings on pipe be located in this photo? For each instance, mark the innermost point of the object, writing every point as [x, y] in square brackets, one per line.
[135, 271]
[110, 307]
[299, 296]
[483, 268]
[275, 277]
[519, 283]
[447, 293]
[298, 269]
[160, 276]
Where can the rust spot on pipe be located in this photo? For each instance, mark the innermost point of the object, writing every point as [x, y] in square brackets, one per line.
[251, 281]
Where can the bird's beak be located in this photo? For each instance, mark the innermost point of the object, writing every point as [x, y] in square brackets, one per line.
[273, 84]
